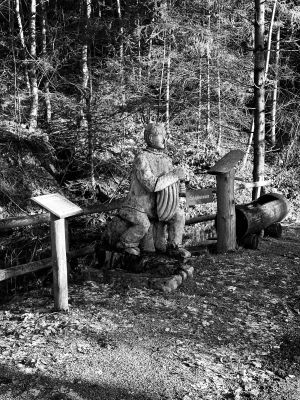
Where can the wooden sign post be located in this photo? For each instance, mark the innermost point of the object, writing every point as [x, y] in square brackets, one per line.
[60, 208]
[226, 220]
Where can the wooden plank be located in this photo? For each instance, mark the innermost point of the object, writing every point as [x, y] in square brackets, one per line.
[8, 224]
[25, 268]
[41, 264]
[59, 257]
[200, 218]
[200, 196]
[57, 205]
[249, 185]
[227, 163]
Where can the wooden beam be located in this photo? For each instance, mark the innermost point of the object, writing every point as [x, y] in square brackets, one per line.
[250, 185]
[41, 264]
[200, 218]
[8, 224]
[25, 268]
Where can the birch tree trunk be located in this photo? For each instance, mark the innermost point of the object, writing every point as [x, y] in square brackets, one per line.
[259, 96]
[270, 39]
[267, 62]
[121, 51]
[162, 77]
[208, 121]
[44, 54]
[168, 90]
[87, 90]
[138, 23]
[33, 77]
[219, 85]
[22, 40]
[199, 124]
[275, 89]
[84, 66]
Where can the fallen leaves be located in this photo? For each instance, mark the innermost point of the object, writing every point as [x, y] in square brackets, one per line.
[224, 336]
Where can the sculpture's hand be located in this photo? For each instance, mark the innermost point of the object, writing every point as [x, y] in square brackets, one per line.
[180, 172]
[182, 203]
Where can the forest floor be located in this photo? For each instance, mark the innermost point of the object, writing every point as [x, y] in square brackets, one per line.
[231, 332]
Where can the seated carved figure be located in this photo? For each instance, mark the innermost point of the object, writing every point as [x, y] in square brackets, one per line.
[151, 219]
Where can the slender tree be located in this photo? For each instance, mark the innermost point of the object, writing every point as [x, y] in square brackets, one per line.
[44, 55]
[259, 96]
[208, 104]
[22, 40]
[275, 88]
[84, 64]
[33, 73]
[168, 78]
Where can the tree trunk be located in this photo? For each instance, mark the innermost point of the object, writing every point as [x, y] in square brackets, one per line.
[84, 65]
[33, 77]
[265, 78]
[168, 91]
[86, 98]
[121, 52]
[199, 116]
[44, 54]
[275, 89]
[259, 96]
[91, 138]
[22, 40]
[208, 121]
[161, 77]
[219, 84]
[139, 44]
[270, 39]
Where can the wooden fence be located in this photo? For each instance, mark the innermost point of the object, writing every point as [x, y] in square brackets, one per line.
[224, 171]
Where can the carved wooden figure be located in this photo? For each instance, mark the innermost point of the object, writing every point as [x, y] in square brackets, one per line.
[151, 220]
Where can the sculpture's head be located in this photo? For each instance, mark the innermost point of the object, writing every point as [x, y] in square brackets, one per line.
[155, 136]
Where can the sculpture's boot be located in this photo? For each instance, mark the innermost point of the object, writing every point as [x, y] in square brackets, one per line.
[177, 251]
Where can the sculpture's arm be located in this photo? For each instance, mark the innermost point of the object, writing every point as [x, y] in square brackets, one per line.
[144, 173]
[165, 181]
[170, 178]
[152, 182]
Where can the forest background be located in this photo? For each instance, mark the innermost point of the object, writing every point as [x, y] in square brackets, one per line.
[80, 79]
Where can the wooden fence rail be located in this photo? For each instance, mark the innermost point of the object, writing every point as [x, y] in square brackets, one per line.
[6, 225]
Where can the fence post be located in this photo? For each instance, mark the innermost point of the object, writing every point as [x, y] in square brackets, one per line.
[226, 221]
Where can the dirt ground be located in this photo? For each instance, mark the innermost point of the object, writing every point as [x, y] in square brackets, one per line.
[233, 332]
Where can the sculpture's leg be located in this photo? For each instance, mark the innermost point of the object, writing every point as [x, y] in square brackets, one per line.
[175, 231]
[139, 226]
[147, 243]
[114, 229]
[176, 228]
[160, 236]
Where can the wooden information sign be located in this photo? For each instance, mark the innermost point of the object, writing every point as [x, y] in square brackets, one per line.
[226, 219]
[227, 163]
[57, 205]
[60, 208]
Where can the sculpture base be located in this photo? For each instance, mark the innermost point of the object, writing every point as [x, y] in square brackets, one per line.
[153, 279]
[154, 271]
